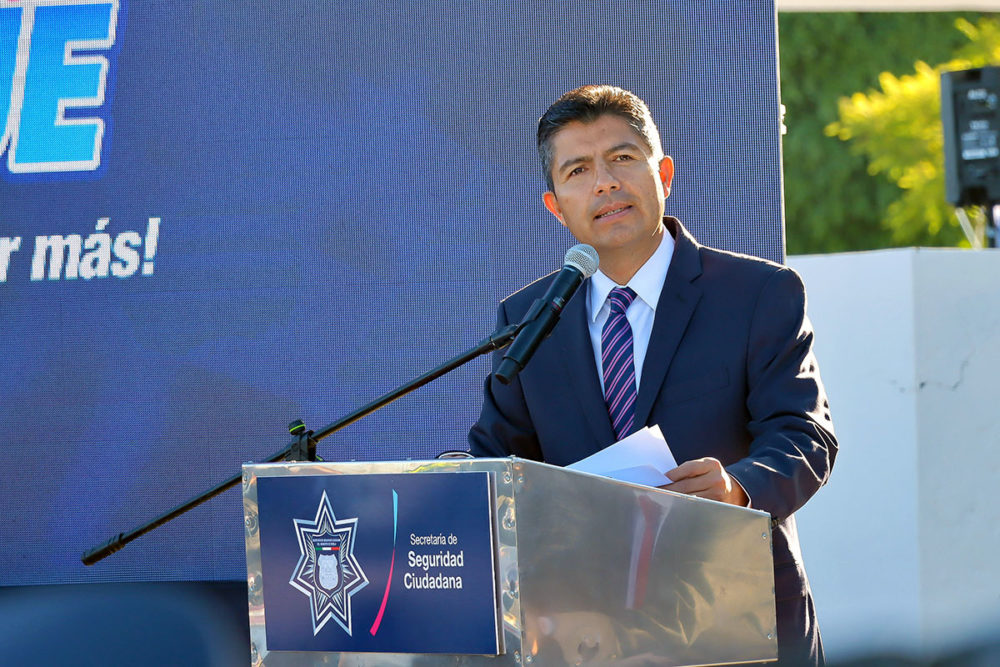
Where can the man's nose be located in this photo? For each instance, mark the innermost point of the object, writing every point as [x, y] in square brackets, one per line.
[605, 180]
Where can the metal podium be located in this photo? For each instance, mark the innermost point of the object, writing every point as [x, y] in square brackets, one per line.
[502, 562]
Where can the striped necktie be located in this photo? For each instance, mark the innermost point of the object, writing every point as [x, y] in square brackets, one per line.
[618, 364]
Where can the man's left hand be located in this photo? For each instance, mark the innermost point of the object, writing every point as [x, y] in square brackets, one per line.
[706, 478]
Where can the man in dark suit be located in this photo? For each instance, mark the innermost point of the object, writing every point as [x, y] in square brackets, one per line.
[713, 347]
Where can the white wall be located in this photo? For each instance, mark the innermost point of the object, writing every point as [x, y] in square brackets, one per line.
[903, 546]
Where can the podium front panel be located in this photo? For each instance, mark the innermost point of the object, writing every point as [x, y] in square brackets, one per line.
[617, 571]
[585, 570]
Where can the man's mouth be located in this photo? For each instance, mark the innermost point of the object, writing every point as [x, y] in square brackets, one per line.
[611, 211]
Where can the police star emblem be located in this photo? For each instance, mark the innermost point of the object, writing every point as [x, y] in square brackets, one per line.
[327, 570]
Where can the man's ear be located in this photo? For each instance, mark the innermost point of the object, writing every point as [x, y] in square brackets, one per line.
[551, 203]
[667, 173]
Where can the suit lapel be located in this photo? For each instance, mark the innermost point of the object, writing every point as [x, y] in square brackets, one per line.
[581, 369]
[678, 300]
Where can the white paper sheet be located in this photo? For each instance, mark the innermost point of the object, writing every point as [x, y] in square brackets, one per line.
[640, 458]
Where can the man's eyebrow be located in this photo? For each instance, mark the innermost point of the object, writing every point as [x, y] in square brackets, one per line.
[625, 145]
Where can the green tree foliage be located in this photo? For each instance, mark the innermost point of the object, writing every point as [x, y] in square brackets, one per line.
[898, 129]
[832, 203]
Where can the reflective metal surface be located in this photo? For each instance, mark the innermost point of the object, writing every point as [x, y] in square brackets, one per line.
[591, 572]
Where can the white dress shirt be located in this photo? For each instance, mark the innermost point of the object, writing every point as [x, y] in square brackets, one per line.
[647, 284]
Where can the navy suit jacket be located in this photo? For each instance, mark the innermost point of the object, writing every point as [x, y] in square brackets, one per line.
[729, 373]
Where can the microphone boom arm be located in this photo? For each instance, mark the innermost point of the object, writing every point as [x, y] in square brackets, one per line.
[498, 340]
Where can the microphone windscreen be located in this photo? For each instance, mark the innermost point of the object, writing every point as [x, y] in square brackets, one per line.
[583, 258]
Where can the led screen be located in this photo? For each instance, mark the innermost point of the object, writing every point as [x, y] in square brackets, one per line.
[217, 217]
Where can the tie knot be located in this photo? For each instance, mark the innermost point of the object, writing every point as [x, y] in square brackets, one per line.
[620, 298]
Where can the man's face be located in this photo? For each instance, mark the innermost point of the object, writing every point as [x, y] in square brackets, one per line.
[608, 188]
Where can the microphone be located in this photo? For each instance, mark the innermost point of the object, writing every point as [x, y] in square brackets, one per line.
[580, 262]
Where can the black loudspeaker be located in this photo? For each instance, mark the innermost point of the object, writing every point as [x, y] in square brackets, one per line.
[970, 114]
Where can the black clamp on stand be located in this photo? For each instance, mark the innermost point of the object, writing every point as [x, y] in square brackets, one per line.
[304, 447]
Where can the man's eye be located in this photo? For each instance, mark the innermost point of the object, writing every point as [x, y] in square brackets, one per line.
[574, 172]
[624, 158]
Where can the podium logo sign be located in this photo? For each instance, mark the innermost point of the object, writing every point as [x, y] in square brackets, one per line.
[425, 543]
[327, 570]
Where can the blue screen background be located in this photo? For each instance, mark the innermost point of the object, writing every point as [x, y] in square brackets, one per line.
[346, 190]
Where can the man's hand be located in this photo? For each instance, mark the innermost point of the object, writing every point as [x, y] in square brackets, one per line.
[706, 478]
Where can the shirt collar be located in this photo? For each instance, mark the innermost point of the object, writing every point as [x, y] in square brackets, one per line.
[647, 283]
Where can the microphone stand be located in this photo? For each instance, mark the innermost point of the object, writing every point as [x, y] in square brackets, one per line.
[303, 448]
